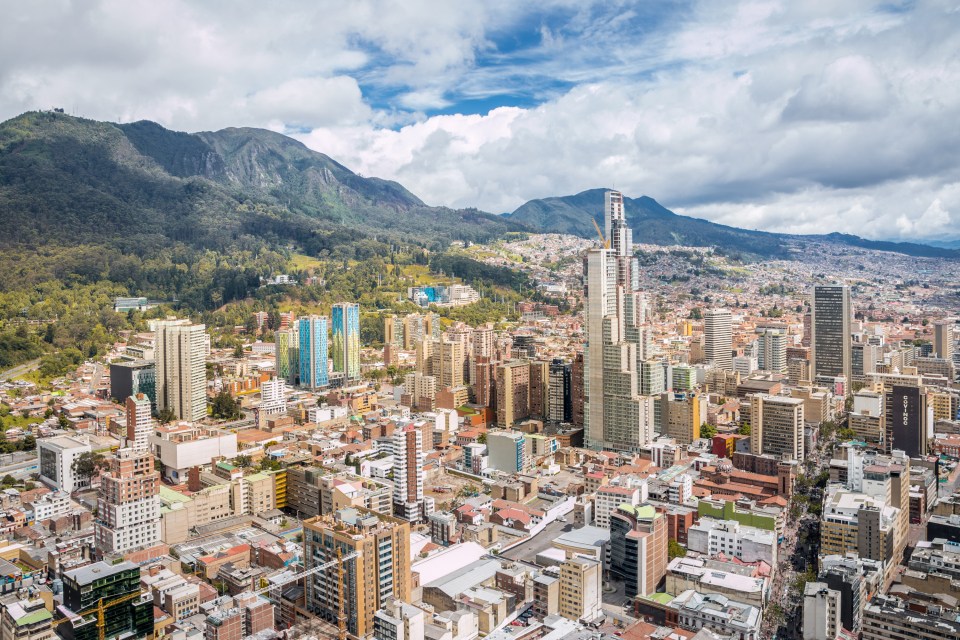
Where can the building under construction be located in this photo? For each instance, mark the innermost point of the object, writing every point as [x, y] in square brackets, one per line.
[375, 565]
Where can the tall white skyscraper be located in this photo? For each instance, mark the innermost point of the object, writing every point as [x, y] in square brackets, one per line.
[718, 338]
[616, 416]
[772, 350]
[180, 351]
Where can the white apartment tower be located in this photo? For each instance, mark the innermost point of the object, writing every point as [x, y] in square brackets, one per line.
[718, 338]
[128, 504]
[772, 350]
[616, 416]
[181, 349]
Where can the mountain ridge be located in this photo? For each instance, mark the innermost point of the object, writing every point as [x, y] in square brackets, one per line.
[653, 223]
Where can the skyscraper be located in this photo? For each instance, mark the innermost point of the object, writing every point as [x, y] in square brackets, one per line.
[616, 416]
[943, 339]
[287, 348]
[346, 339]
[139, 422]
[408, 474]
[776, 426]
[830, 333]
[313, 352]
[180, 352]
[718, 338]
[772, 350]
[559, 405]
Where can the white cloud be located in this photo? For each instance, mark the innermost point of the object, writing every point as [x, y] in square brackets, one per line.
[803, 117]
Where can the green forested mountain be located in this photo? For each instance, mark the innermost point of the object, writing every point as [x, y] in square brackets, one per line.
[652, 223]
[198, 218]
[75, 180]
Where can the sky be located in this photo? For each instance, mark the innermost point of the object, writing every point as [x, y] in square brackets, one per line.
[792, 116]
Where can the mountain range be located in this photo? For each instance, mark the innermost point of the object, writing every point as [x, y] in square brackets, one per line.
[71, 180]
[652, 223]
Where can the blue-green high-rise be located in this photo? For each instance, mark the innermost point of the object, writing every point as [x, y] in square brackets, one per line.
[346, 339]
[313, 352]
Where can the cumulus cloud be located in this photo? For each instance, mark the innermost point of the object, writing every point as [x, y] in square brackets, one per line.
[768, 114]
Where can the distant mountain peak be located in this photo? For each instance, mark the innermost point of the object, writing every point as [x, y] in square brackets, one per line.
[652, 223]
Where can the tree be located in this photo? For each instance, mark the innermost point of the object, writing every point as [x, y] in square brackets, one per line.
[87, 464]
[166, 416]
[238, 351]
[482, 438]
[675, 550]
[225, 407]
[8, 481]
[63, 421]
[242, 460]
[707, 430]
[744, 429]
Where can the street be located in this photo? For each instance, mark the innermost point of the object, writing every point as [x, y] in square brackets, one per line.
[19, 370]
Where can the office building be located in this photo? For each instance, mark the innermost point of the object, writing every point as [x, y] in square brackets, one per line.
[313, 352]
[580, 589]
[577, 386]
[638, 548]
[776, 426]
[26, 620]
[889, 618]
[616, 416]
[943, 339]
[181, 357]
[398, 620]
[129, 615]
[56, 461]
[821, 612]
[287, 354]
[772, 350]
[721, 577]
[560, 400]
[345, 323]
[380, 571]
[718, 338]
[717, 613]
[830, 338]
[408, 474]
[734, 540]
[131, 378]
[860, 523]
[681, 416]
[539, 389]
[846, 577]
[507, 451]
[139, 422]
[512, 383]
[128, 506]
[906, 420]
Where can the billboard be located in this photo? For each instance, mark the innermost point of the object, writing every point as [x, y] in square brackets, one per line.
[906, 420]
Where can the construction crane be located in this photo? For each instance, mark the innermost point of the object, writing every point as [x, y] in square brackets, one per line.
[100, 610]
[312, 570]
[605, 243]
